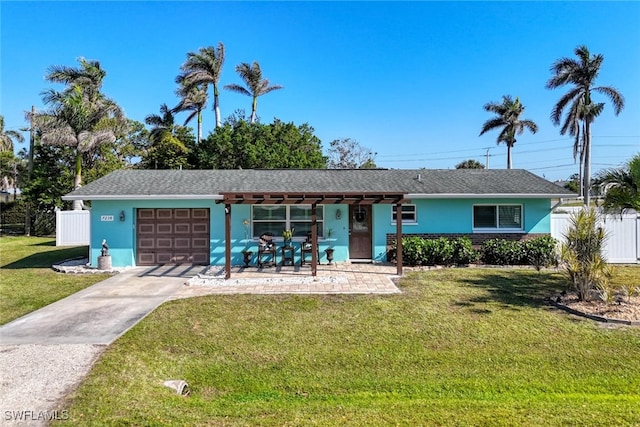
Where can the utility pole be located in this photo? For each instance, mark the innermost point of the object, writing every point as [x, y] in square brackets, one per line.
[486, 163]
[32, 140]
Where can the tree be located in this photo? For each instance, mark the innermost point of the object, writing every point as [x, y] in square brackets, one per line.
[202, 69]
[581, 110]
[76, 112]
[508, 118]
[582, 255]
[347, 153]
[7, 137]
[256, 85]
[470, 164]
[622, 187]
[193, 100]
[161, 124]
[238, 144]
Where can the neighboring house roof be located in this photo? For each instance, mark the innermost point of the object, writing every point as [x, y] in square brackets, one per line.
[423, 183]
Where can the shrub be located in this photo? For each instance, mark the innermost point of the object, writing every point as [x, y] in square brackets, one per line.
[541, 252]
[581, 253]
[503, 252]
[463, 251]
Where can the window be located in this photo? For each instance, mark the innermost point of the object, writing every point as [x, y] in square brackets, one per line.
[408, 214]
[502, 217]
[275, 218]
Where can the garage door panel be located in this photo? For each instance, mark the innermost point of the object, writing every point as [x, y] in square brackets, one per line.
[200, 257]
[173, 236]
[164, 213]
[146, 228]
[164, 228]
[181, 243]
[182, 214]
[200, 228]
[182, 228]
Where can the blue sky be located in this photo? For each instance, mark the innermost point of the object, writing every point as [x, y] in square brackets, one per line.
[406, 79]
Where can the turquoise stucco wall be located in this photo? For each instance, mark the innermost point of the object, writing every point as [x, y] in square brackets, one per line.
[434, 216]
[454, 216]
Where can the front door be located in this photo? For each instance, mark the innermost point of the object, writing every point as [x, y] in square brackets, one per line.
[360, 232]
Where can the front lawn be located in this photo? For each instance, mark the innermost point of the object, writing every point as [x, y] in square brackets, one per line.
[457, 347]
[27, 281]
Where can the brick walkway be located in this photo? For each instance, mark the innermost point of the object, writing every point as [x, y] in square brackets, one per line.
[339, 278]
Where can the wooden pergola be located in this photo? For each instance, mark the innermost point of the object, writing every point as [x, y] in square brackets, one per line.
[313, 199]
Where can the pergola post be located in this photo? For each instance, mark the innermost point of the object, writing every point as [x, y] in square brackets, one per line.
[399, 238]
[314, 240]
[227, 241]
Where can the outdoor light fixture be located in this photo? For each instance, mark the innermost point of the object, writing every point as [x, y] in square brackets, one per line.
[121, 215]
[338, 214]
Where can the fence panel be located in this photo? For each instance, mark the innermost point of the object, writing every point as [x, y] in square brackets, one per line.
[73, 228]
[623, 244]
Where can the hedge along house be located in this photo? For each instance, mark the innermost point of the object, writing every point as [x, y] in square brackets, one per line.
[152, 217]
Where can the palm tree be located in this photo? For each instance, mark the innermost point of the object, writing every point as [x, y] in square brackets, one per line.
[75, 114]
[88, 76]
[256, 85]
[622, 187]
[8, 136]
[508, 118]
[194, 100]
[162, 124]
[203, 69]
[582, 111]
[72, 121]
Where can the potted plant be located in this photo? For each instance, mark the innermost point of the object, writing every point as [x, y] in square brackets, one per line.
[329, 250]
[246, 252]
[287, 235]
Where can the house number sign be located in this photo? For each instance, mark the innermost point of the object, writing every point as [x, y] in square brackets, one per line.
[106, 218]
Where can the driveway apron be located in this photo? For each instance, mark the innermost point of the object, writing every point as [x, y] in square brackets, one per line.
[100, 313]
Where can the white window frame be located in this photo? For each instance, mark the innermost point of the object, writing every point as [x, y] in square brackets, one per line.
[413, 221]
[497, 228]
[288, 221]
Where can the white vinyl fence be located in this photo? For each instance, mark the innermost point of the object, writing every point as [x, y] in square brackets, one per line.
[73, 228]
[623, 243]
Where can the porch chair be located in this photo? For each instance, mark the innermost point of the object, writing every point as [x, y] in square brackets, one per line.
[266, 249]
[306, 247]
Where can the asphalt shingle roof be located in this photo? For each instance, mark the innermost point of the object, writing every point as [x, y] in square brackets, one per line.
[133, 183]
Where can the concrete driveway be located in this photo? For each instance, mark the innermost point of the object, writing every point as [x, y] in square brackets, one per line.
[100, 313]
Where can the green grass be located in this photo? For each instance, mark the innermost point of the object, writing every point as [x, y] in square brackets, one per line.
[27, 281]
[457, 347]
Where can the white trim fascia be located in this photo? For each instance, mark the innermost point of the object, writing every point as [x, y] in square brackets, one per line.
[148, 197]
[485, 196]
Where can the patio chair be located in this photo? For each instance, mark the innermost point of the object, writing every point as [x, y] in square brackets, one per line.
[307, 248]
[266, 249]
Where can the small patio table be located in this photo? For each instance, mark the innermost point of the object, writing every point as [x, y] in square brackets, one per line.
[288, 253]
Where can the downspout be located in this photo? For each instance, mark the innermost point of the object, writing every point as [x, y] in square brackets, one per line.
[227, 241]
[314, 240]
[399, 238]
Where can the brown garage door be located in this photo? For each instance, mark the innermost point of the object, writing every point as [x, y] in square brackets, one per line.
[172, 236]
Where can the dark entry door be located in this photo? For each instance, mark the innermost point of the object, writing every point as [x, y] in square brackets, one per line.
[360, 232]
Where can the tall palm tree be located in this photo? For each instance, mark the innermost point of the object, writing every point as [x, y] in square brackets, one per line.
[88, 76]
[202, 69]
[195, 100]
[72, 121]
[8, 136]
[622, 187]
[256, 85]
[162, 123]
[581, 110]
[508, 119]
[75, 113]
